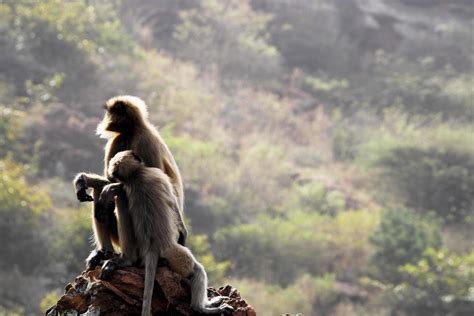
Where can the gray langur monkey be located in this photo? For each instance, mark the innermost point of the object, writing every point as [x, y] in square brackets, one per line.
[146, 217]
[126, 126]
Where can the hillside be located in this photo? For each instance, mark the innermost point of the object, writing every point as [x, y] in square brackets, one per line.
[326, 147]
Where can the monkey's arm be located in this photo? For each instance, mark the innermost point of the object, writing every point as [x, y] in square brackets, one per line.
[83, 181]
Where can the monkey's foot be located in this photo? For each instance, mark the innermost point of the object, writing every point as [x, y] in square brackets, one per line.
[216, 301]
[111, 265]
[225, 309]
[97, 257]
[107, 270]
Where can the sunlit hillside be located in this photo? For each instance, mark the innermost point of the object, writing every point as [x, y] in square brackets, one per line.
[326, 147]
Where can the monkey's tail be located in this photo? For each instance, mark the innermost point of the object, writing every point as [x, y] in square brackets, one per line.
[198, 288]
[151, 260]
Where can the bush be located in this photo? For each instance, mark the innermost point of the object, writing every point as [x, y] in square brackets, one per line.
[440, 283]
[70, 240]
[400, 239]
[315, 197]
[21, 208]
[230, 35]
[433, 179]
[296, 244]
[215, 270]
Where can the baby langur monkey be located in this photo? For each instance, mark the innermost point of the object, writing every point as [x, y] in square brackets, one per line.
[146, 217]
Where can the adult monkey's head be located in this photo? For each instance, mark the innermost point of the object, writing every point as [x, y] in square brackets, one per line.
[122, 114]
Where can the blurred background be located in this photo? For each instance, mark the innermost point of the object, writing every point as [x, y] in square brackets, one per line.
[326, 146]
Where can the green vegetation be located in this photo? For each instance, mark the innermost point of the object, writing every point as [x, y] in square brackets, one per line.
[327, 147]
[401, 239]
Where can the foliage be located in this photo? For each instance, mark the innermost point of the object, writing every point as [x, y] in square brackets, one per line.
[21, 207]
[314, 197]
[229, 34]
[285, 117]
[273, 299]
[9, 129]
[422, 88]
[72, 238]
[429, 169]
[440, 283]
[400, 239]
[292, 246]
[200, 247]
[49, 300]
[421, 175]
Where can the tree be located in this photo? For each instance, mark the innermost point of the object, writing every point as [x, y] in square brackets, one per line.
[21, 207]
[440, 283]
[401, 238]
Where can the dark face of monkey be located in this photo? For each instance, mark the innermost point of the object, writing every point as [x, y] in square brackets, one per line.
[124, 164]
[116, 116]
[122, 114]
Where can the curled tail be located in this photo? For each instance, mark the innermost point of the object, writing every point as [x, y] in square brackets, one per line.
[151, 260]
[199, 300]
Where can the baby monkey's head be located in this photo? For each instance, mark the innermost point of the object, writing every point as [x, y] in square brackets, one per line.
[124, 164]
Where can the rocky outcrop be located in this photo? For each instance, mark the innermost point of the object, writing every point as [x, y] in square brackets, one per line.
[122, 295]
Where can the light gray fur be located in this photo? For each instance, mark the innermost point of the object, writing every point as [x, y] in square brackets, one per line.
[153, 219]
[151, 260]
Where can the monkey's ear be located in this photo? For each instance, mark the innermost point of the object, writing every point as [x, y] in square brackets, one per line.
[137, 157]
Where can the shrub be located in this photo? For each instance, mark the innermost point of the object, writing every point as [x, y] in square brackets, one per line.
[400, 239]
[433, 179]
[21, 207]
[296, 244]
[440, 283]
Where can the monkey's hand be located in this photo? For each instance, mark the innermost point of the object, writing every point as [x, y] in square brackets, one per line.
[81, 189]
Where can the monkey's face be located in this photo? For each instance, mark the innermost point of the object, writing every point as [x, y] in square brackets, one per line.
[123, 165]
[122, 114]
[115, 117]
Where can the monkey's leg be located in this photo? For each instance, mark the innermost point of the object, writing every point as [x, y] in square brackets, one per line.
[182, 261]
[104, 222]
[104, 231]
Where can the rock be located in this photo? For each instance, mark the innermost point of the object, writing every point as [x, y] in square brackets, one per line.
[122, 295]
